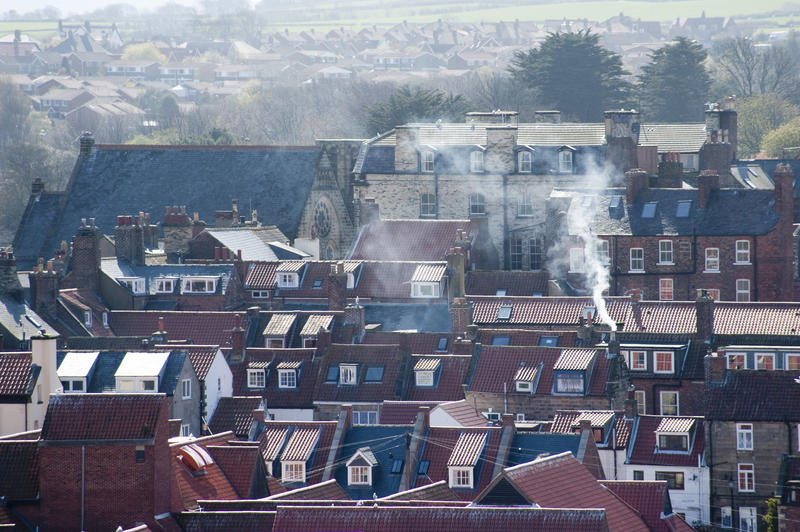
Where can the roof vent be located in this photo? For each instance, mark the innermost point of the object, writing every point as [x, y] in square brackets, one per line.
[194, 457]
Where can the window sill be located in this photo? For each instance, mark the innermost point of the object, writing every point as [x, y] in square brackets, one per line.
[711, 271]
[663, 372]
[636, 271]
[742, 263]
[665, 264]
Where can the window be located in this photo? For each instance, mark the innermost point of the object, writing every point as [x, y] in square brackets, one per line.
[186, 430]
[476, 161]
[149, 385]
[365, 417]
[317, 284]
[199, 286]
[255, 378]
[524, 386]
[186, 389]
[259, 294]
[424, 290]
[576, 260]
[536, 248]
[638, 360]
[500, 292]
[548, 341]
[427, 161]
[219, 384]
[427, 205]
[423, 378]
[135, 284]
[461, 477]
[638, 474]
[87, 318]
[525, 207]
[565, 162]
[746, 477]
[736, 360]
[602, 252]
[765, 361]
[520, 416]
[360, 475]
[139, 454]
[712, 259]
[288, 280]
[126, 385]
[442, 345]
[477, 205]
[747, 519]
[524, 162]
[744, 436]
[275, 343]
[664, 362]
[665, 252]
[501, 340]
[165, 286]
[333, 374]
[374, 374]
[637, 259]
[674, 479]
[673, 442]
[683, 208]
[397, 466]
[742, 252]
[569, 382]
[649, 209]
[726, 517]
[640, 402]
[743, 290]
[504, 312]
[793, 362]
[293, 471]
[287, 378]
[669, 403]
[348, 374]
[665, 291]
[105, 320]
[516, 253]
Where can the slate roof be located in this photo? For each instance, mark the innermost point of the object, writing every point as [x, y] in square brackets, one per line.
[235, 414]
[524, 337]
[20, 321]
[116, 180]
[252, 521]
[425, 240]
[200, 327]
[422, 317]
[681, 138]
[644, 448]
[438, 491]
[387, 444]
[280, 324]
[414, 342]
[201, 357]
[515, 283]
[728, 212]
[436, 519]
[115, 269]
[115, 416]
[19, 462]
[450, 372]
[748, 395]
[364, 356]
[17, 376]
[527, 446]
[254, 245]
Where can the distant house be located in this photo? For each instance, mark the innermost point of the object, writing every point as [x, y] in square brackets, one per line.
[27, 379]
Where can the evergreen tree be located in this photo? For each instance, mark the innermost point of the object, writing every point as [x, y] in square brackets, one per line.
[414, 104]
[674, 85]
[574, 74]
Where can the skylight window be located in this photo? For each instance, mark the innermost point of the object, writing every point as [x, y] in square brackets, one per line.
[423, 467]
[649, 209]
[548, 341]
[374, 374]
[333, 374]
[317, 283]
[500, 292]
[588, 202]
[501, 340]
[683, 209]
[504, 313]
[616, 202]
[442, 345]
[397, 466]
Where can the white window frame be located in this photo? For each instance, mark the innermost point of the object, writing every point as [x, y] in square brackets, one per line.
[743, 290]
[253, 380]
[144, 382]
[209, 285]
[428, 162]
[186, 389]
[671, 362]
[748, 519]
[565, 162]
[636, 262]
[126, 385]
[744, 436]
[186, 430]
[164, 286]
[461, 477]
[729, 357]
[259, 294]
[105, 320]
[288, 279]
[742, 252]
[477, 204]
[359, 475]
[87, 318]
[576, 260]
[348, 374]
[423, 378]
[749, 472]
[135, 284]
[662, 403]
[726, 517]
[641, 403]
[362, 417]
[712, 260]
[789, 357]
[287, 379]
[770, 356]
[603, 254]
[424, 290]
[524, 386]
[427, 205]
[665, 253]
[476, 161]
[524, 162]
[666, 285]
[293, 471]
[568, 377]
[525, 206]
[634, 358]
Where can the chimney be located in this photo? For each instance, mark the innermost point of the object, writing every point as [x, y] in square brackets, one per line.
[85, 258]
[406, 155]
[198, 225]
[9, 282]
[86, 144]
[259, 415]
[670, 172]
[370, 211]
[585, 425]
[635, 295]
[44, 288]
[500, 144]
[716, 367]
[337, 287]
[704, 309]
[635, 181]
[613, 346]
[355, 317]
[783, 179]
[348, 410]
[175, 427]
[235, 212]
[460, 315]
[43, 354]
[722, 126]
[631, 406]
[178, 231]
[129, 239]
[585, 331]
[37, 187]
[507, 420]
[707, 182]
[622, 138]
[498, 117]
[455, 269]
[237, 340]
[159, 336]
[547, 117]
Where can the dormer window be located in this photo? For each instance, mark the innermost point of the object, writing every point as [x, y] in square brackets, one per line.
[565, 160]
[673, 434]
[476, 161]
[348, 374]
[461, 477]
[664, 361]
[288, 280]
[164, 286]
[87, 318]
[569, 382]
[673, 442]
[256, 378]
[199, 285]
[359, 467]
[428, 161]
[287, 378]
[75, 385]
[134, 284]
[293, 471]
[427, 280]
[425, 371]
[525, 378]
[524, 162]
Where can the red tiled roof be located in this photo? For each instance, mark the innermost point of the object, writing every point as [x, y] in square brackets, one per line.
[550, 311]
[16, 375]
[272, 441]
[402, 412]
[324, 491]
[19, 463]
[515, 283]
[387, 356]
[645, 445]
[83, 300]
[407, 239]
[453, 371]
[315, 322]
[526, 373]
[467, 449]
[748, 395]
[202, 328]
[522, 337]
[226, 521]
[201, 357]
[560, 481]
[319, 452]
[260, 275]
[113, 416]
[234, 414]
[300, 445]
[565, 420]
[464, 413]
[238, 462]
[647, 497]
[211, 485]
[623, 429]
[575, 359]
[438, 491]
[300, 397]
[676, 424]
[427, 364]
[291, 266]
[369, 518]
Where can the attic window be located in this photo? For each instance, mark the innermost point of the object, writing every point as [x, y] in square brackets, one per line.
[501, 340]
[442, 345]
[195, 285]
[333, 374]
[548, 341]
[673, 442]
[287, 378]
[288, 280]
[374, 374]
[135, 284]
[348, 374]
[649, 209]
[504, 313]
[616, 202]
[423, 467]
[397, 466]
[317, 284]
[683, 209]
[500, 292]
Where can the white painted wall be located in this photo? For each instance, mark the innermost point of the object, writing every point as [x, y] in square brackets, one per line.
[291, 414]
[219, 383]
[692, 500]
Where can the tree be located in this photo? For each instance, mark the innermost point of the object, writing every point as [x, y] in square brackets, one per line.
[749, 69]
[674, 85]
[770, 518]
[145, 51]
[784, 141]
[758, 115]
[414, 104]
[574, 74]
[14, 111]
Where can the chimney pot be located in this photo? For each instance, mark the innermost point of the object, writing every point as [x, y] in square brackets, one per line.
[239, 255]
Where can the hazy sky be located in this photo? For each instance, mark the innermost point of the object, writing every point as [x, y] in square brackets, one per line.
[81, 6]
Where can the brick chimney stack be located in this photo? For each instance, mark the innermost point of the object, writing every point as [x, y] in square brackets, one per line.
[129, 239]
[86, 144]
[9, 282]
[406, 156]
[460, 315]
[85, 258]
[707, 182]
[44, 288]
[622, 139]
[178, 231]
[238, 340]
[635, 181]
[631, 406]
[716, 367]
[704, 309]
[337, 287]
[456, 264]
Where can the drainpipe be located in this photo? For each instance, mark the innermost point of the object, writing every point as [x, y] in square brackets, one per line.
[83, 485]
[506, 262]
